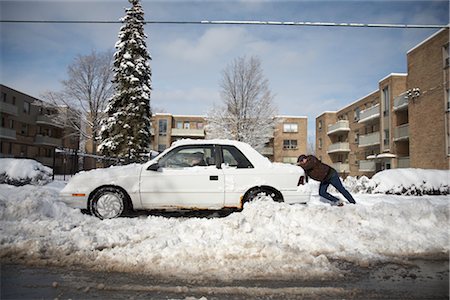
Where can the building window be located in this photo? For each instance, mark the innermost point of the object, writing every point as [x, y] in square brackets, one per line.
[386, 137]
[357, 114]
[357, 137]
[162, 124]
[14, 100]
[320, 143]
[290, 127]
[447, 96]
[445, 55]
[386, 101]
[26, 107]
[24, 130]
[290, 144]
[200, 125]
[3, 97]
[320, 124]
[179, 124]
[187, 125]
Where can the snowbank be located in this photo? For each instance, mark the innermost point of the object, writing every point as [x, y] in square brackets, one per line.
[23, 171]
[266, 240]
[403, 182]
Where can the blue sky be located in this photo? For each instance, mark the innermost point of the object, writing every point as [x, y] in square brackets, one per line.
[310, 69]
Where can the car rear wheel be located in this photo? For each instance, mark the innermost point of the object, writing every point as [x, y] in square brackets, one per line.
[108, 203]
[262, 194]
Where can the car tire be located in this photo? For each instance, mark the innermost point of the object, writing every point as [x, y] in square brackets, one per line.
[108, 203]
[261, 193]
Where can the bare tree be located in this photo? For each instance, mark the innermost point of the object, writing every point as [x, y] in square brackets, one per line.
[85, 95]
[247, 112]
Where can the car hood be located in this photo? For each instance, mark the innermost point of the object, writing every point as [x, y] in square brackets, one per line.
[85, 181]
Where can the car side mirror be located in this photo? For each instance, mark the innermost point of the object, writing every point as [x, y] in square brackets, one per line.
[153, 167]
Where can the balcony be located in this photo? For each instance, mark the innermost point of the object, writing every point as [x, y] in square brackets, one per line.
[341, 167]
[339, 147]
[403, 162]
[188, 132]
[48, 120]
[339, 126]
[8, 134]
[369, 114]
[266, 151]
[367, 166]
[9, 109]
[48, 141]
[401, 102]
[370, 139]
[401, 133]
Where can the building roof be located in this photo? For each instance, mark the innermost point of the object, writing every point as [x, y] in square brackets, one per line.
[426, 40]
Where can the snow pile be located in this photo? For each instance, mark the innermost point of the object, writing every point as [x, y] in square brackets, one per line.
[403, 182]
[20, 172]
[266, 240]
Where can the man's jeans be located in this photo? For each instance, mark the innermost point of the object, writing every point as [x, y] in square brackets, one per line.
[336, 182]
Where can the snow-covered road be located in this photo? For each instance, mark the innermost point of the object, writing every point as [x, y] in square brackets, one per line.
[265, 240]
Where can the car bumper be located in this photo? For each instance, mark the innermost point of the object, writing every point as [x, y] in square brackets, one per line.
[74, 201]
[293, 197]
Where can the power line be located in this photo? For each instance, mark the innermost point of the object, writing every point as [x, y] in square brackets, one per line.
[254, 23]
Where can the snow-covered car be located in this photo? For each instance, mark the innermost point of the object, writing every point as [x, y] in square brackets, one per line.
[191, 174]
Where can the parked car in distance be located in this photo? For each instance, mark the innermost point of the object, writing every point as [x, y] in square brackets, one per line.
[191, 174]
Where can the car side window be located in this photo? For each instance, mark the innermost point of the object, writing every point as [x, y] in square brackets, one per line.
[234, 158]
[189, 156]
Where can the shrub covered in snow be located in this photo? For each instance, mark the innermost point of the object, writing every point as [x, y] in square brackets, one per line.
[20, 172]
[402, 182]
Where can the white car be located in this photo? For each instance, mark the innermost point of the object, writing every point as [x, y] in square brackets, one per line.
[191, 174]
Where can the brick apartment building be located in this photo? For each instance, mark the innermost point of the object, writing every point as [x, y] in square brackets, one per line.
[402, 124]
[27, 130]
[288, 142]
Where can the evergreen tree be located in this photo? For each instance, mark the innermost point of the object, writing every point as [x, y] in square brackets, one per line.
[126, 129]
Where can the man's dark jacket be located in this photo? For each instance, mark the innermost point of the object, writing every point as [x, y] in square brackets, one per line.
[316, 169]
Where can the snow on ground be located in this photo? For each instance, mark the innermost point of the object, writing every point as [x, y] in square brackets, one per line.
[265, 240]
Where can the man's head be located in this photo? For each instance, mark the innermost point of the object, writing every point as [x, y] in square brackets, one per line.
[301, 159]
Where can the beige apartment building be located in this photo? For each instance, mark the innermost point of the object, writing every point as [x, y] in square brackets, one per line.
[402, 124]
[288, 142]
[28, 131]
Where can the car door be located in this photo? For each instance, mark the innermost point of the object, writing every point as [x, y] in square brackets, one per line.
[239, 173]
[187, 177]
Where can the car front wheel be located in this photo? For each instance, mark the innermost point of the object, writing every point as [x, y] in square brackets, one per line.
[263, 194]
[108, 203]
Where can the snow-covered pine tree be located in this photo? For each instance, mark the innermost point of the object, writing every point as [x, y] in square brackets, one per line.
[126, 129]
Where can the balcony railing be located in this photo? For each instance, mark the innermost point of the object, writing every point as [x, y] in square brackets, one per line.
[188, 132]
[49, 141]
[403, 162]
[401, 102]
[48, 120]
[8, 108]
[339, 147]
[6, 133]
[401, 133]
[266, 151]
[339, 126]
[370, 139]
[369, 114]
[367, 166]
[341, 167]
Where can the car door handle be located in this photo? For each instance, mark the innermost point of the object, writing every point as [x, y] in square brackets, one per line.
[213, 177]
